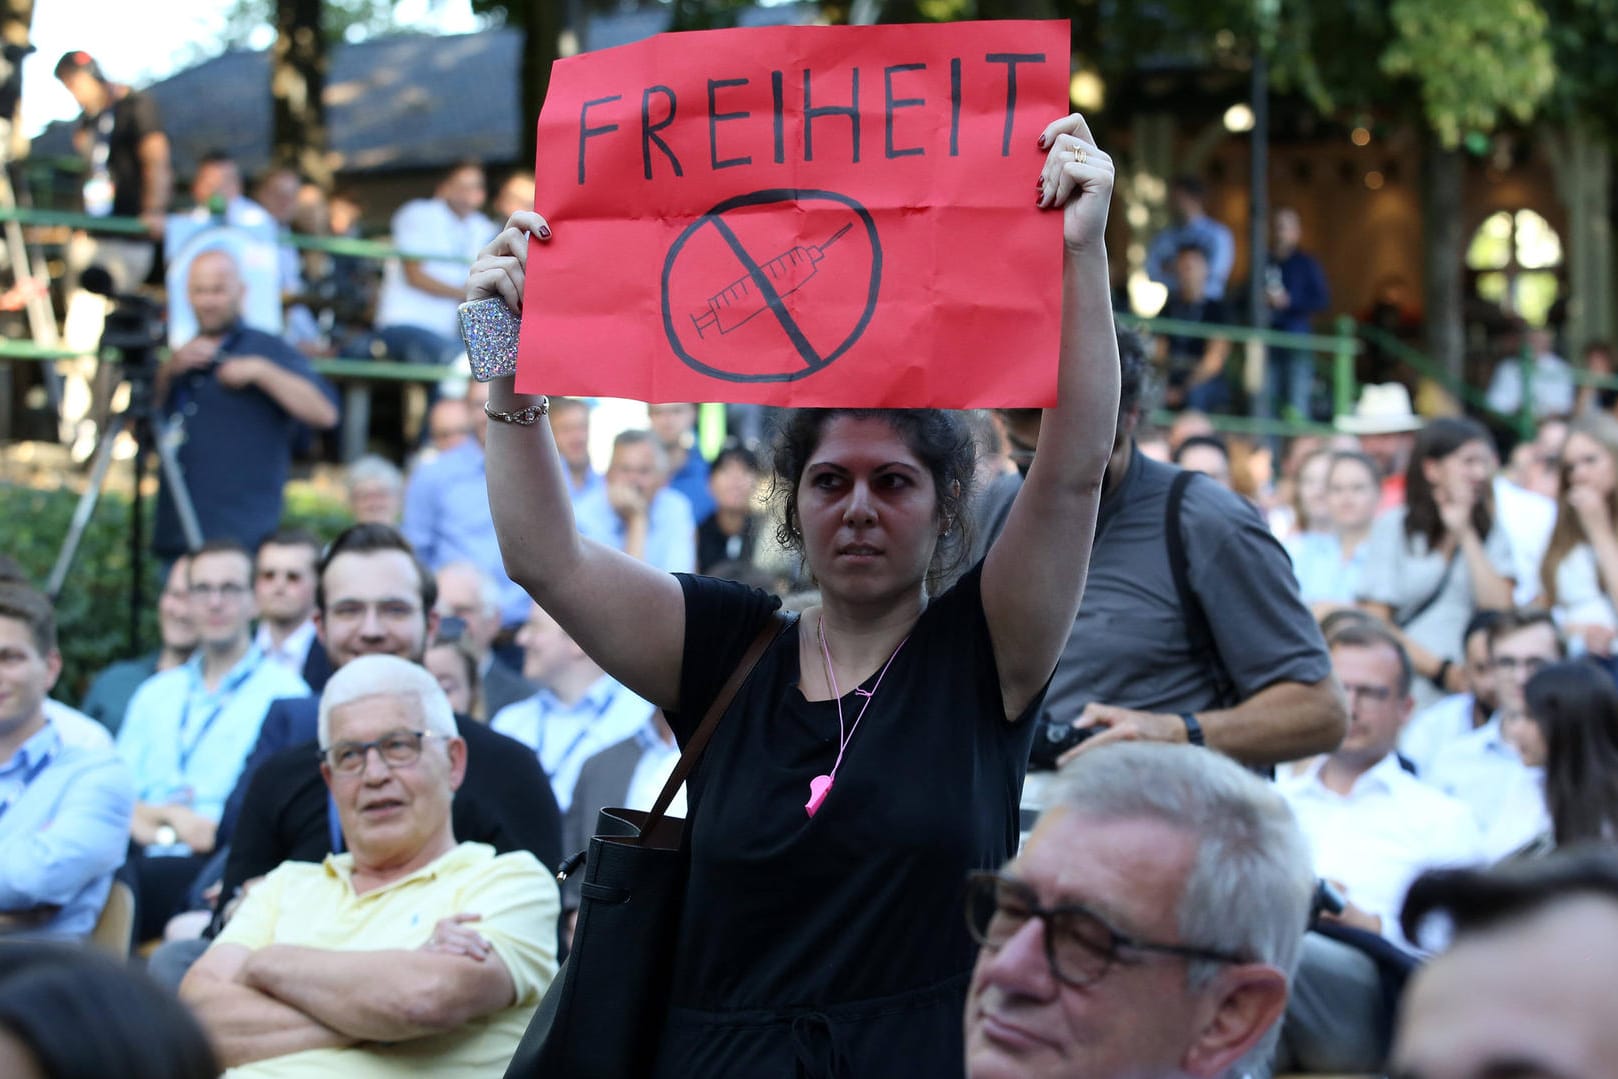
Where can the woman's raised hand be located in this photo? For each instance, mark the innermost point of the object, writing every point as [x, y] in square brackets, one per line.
[1455, 508]
[1591, 506]
[1078, 176]
[498, 270]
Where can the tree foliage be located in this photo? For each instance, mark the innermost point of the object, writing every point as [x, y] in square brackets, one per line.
[342, 20]
[1475, 62]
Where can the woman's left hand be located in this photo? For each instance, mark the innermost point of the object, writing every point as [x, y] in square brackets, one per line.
[1078, 176]
[1591, 507]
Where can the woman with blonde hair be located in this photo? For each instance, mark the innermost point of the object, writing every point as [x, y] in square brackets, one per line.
[1578, 578]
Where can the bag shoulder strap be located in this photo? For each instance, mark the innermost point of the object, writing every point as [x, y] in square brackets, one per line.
[772, 628]
[1432, 597]
[1196, 619]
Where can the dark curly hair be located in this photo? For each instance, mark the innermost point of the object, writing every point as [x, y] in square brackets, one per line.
[941, 440]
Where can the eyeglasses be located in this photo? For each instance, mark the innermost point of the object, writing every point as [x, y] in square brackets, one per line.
[231, 590]
[1079, 946]
[398, 749]
[1511, 663]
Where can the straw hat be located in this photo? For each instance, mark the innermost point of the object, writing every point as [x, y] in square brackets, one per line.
[1383, 409]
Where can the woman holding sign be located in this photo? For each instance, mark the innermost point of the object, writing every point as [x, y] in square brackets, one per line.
[876, 755]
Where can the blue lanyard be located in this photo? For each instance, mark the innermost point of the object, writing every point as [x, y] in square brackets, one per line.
[567, 754]
[27, 781]
[226, 692]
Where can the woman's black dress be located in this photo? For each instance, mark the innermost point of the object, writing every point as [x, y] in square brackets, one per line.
[837, 946]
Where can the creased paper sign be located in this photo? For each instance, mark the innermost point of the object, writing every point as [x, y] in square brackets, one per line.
[801, 216]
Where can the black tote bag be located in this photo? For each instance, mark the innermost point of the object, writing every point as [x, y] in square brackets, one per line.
[603, 1014]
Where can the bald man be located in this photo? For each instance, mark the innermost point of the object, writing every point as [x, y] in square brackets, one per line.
[236, 401]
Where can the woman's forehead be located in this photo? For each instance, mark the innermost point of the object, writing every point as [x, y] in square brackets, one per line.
[864, 440]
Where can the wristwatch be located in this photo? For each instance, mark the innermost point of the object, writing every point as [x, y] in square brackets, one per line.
[490, 331]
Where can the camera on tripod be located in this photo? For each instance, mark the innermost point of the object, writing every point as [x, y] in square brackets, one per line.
[135, 326]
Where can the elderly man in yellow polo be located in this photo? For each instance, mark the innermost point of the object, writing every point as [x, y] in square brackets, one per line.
[408, 954]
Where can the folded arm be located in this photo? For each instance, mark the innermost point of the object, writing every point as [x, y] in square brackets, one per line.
[302, 399]
[382, 995]
[246, 1024]
[1286, 721]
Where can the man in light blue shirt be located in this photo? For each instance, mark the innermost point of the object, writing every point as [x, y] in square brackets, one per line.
[675, 426]
[1192, 227]
[447, 517]
[189, 729]
[64, 809]
[636, 512]
[578, 711]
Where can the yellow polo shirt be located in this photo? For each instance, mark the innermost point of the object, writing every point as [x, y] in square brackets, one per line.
[314, 906]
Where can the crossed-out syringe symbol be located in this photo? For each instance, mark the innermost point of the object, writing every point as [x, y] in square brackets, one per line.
[740, 301]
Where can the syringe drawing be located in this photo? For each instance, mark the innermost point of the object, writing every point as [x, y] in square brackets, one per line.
[739, 302]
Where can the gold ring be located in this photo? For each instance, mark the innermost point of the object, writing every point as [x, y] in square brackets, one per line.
[1078, 154]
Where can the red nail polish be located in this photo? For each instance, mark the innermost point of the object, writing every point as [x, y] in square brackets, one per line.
[544, 232]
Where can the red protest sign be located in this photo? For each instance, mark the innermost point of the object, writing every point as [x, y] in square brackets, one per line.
[801, 216]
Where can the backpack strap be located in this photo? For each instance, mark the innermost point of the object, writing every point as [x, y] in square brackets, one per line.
[1198, 632]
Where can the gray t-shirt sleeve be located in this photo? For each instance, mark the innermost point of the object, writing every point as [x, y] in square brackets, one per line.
[1243, 578]
[1384, 555]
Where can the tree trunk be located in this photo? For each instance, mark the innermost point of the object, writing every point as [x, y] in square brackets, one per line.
[298, 65]
[1442, 174]
[1583, 168]
[542, 20]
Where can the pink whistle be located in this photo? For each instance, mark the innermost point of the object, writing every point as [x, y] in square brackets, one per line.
[818, 789]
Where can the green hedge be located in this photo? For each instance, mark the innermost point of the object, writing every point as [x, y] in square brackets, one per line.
[92, 613]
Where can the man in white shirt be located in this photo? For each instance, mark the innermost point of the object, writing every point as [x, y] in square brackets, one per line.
[415, 313]
[578, 711]
[1373, 828]
[284, 588]
[1449, 718]
[1551, 387]
[1480, 766]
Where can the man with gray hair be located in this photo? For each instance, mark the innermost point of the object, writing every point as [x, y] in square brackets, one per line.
[1149, 927]
[410, 953]
[635, 511]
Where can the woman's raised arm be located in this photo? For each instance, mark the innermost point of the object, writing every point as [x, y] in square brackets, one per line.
[627, 616]
[1033, 576]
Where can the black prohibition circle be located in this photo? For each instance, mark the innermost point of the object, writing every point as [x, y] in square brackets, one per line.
[813, 361]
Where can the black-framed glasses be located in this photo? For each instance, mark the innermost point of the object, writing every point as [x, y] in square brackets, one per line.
[1079, 945]
[398, 749]
[1531, 664]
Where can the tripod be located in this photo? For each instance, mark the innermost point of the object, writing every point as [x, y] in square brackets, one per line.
[139, 368]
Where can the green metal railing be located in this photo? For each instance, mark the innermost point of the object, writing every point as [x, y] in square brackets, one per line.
[130, 226]
[1334, 353]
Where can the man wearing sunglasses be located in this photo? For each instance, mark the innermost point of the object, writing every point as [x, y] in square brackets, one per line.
[284, 567]
[1148, 928]
[409, 953]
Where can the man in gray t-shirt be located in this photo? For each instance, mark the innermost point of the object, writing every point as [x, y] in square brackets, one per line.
[1260, 688]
